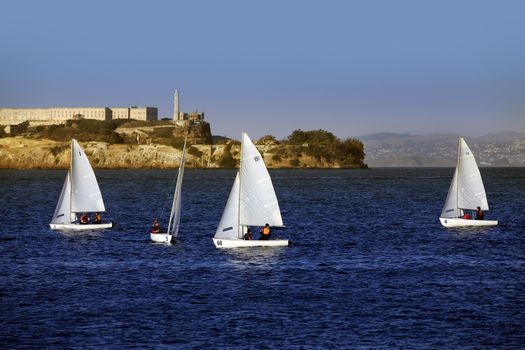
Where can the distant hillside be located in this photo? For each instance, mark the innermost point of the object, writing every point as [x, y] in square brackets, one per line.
[406, 150]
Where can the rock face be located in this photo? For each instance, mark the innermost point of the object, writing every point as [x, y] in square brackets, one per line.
[197, 133]
[25, 153]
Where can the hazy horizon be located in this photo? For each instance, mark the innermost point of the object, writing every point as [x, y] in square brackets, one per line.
[351, 68]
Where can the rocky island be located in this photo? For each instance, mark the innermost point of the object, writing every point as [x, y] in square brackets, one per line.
[145, 144]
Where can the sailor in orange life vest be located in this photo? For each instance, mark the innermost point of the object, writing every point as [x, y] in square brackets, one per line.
[84, 219]
[155, 228]
[97, 219]
[265, 232]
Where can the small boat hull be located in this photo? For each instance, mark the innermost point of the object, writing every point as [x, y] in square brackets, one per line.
[241, 243]
[160, 237]
[459, 222]
[79, 227]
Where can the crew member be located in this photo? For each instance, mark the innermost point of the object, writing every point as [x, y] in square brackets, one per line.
[248, 235]
[98, 219]
[265, 232]
[479, 214]
[155, 228]
[84, 219]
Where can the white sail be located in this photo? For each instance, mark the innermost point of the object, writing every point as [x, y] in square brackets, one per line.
[63, 213]
[85, 193]
[229, 225]
[471, 193]
[450, 209]
[258, 202]
[173, 226]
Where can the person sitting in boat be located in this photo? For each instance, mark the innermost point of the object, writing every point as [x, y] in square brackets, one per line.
[84, 219]
[466, 215]
[155, 228]
[480, 215]
[248, 235]
[97, 219]
[265, 232]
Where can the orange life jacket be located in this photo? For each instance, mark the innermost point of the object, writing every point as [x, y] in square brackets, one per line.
[266, 231]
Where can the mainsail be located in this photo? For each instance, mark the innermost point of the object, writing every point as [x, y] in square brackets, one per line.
[471, 193]
[173, 225]
[85, 193]
[258, 202]
[466, 190]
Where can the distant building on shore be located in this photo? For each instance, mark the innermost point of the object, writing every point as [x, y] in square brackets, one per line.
[59, 115]
[181, 118]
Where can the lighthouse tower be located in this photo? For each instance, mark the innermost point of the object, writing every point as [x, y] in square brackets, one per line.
[176, 105]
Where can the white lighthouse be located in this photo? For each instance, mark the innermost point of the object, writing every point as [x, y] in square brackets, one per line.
[176, 106]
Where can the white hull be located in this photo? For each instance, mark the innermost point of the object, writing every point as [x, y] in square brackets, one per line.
[79, 227]
[458, 222]
[241, 243]
[160, 237]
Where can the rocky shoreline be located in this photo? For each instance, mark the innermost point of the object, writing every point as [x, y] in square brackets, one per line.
[27, 153]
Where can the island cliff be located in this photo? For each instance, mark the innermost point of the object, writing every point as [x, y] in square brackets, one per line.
[135, 146]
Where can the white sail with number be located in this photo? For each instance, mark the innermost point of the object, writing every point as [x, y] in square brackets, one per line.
[229, 224]
[258, 202]
[85, 193]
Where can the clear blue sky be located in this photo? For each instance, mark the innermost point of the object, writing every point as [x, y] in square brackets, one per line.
[270, 67]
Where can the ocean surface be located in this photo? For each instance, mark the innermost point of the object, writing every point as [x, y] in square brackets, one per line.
[371, 267]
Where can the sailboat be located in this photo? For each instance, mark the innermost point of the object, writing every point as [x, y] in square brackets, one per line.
[466, 192]
[174, 221]
[252, 202]
[80, 194]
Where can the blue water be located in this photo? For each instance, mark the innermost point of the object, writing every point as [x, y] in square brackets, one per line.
[371, 266]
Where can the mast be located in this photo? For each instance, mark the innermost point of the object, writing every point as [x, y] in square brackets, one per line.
[71, 181]
[457, 180]
[177, 185]
[240, 235]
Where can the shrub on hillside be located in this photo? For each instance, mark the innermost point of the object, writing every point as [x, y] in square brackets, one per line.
[82, 130]
[226, 160]
[194, 151]
[323, 145]
[295, 162]
[267, 140]
[175, 142]
[165, 132]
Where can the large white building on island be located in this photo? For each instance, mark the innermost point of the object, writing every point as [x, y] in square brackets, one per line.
[59, 115]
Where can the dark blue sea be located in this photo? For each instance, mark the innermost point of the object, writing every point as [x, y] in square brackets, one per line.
[370, 267]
